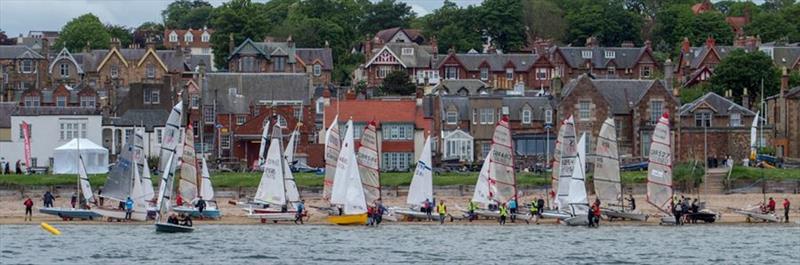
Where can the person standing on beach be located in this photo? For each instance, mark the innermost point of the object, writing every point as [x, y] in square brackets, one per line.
[48, 199]
[379, 211]
[442, 210]
[503, 213]
[128, 208]
[534, 215]
[74, 199]
[179, 200]
[201, 205]
[298, 216]
[786, 205]
[29, 209]
[426, 207]
[471, 210]
[632, 202]
[100, 192]
[771, 205]
[512, 207]
[3, 165]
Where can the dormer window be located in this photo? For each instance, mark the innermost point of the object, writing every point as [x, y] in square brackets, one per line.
[611, 54]
[27, 66]
[64, 69]
[114, 71]
[205, 37]
[408, 51]
[188, 37]
[586, 54]
[736, 119]
[510, 73]
[526, 116]
[173, 37]
[317, 70]
[484, 73]
[151, 70]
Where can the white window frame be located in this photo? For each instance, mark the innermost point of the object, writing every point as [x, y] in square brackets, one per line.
[541, 73]
[450, 72]
[736, 119]
[297, 112]
[587, 54]
[32, 101]
[610, 54]
[611, 70]
[150, 70]
[384, 70]
[509, 73]
[486, 116]
[317, 70]
[705, 118]
[225, 141]
[241, 119]
[61, 101]
[64, 69]
[279, 65]
[656, 114]
[114, 71]
[173, 37]
[584, 110]
[451, 117]
[484, 73]
[205, 37]
[208, 114]
[527, 116]
[72, 128]
[27, 66]
[195, 101]
[159, 134]
[548, 116]
[155, 96]
[407, 51]
[88, 101]
[188, 37]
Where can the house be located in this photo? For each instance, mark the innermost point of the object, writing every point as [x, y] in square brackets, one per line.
[281, 57]
[737, 23]
[38, 40]
[21, 68]
[50, 127]
[783, 113]
[635, 105]
[402, 127]
[624, 62]
[500, 71]
[236, 106]
[716, 126]
[62, 96]
[198, 41]
[409, 57]
[118, 131]
[397, 34]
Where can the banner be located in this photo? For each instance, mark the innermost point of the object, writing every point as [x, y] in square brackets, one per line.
[26, 134]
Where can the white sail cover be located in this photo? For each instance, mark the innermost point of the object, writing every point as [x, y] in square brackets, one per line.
[578, 201]
[368, 164]
[753, 138]
[189, 180]
[271, 189]
[332, 145]
[567, 162]
[120, 180]
[141, 160]
[659, 169]
[83, 179]
[606, 166]
[289, 152]
[421, 188]
[481, 194]
[263, 146]
[206, 190]
[165, 189]
[170, 138]
[502, 180]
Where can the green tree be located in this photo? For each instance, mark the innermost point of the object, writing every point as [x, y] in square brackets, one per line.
[85, 30]
[120, 32]
[737, 8]
[544, 19]
[385, 14]
[672, 26]
[184, 14]
[792, 16]
[397, 83]
[148, 31]
[742, 70]
[608, 21]
[775, 5]
[502, 21]
[453, 27]
[709, 24]
[241, 19]
[771, 27]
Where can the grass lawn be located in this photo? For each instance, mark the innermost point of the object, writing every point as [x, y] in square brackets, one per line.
[751, 173]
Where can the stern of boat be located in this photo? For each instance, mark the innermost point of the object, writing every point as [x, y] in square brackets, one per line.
[348, 219]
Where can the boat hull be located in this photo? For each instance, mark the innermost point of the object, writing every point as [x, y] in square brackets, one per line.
[348, 219]
[578, 220]
[115, 214]
[69, 213]
[212, 213]
[555, 215]
[612, 214]
[758, 216]
[173, 228]
[667, 220]
[412, 214]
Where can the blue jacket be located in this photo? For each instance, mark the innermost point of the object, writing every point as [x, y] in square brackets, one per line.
[512, 204]
[129, 204]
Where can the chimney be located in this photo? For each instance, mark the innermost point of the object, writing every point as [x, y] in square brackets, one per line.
[419, 96]
[685, 45]
[45, 48]
[231, 45]
[368, 47]
[326, 96]
[784, 82]
[590, 42]
[625, 44]
[710, 42]
[151, 45]
[648, 45]
[115, 43]
[435, 45]
[556, 87]
[668, 77]
[745, 99]
[269, 39]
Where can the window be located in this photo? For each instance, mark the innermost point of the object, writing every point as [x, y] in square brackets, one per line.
[72, 128]
[195, 127]
[647, 137]
[588, 139]
[485, 147]
[173, 37]
[27, 66]
[151, 70]
[451, 117]
[526, 116]
[612, 70]
[114, 71]
[155, 97]
[280, 64]
[297, 111]
[586, 54]
[205, 37]
[486, 116]
[393, 161]
[317, 70]
[195, 100]
[188, 37]
[610, 54]
[64, 69]
[32, 101]
[509, 73]
[128, 135]
[458, 148]
[88, 101]
[484, 73]
[61, 101]
[535, 145]
[240, 119]
[30, 131]
[159, 132]
[656, 109]
[584, 113]
[358, 128]
[408, 51]
[320, 106]
[702, 119]
[208, 114]
[451, 72]
[736, 119]
[618, 126]
[225, 141]
[384, 70]
[541, 73]
[646, 72]
[398, 131]
[146, 96]
[247, 64]
[548, 116]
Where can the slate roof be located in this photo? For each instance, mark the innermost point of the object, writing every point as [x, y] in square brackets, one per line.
[696, 54]
[65, 54]
[387, 34]
[785, 56]
[174, 61]
[516, 104]
[148, 118]
[497, 62]
[18, 52]
[620, 94]
[461, 103]
[722, 105]
[251, 88]
[623, 57]
[453, 86]
[6, 109]
[420, 59]
[307, 55]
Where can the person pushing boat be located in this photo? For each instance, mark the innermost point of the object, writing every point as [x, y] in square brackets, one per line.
[534, 214]
[298, 216]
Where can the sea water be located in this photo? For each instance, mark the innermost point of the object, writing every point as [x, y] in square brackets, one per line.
[402, 244]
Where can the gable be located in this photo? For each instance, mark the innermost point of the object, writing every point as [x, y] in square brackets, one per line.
[152, 53]
[386, 57]
[248, 47]
[400, 36]
[61, 57]
[112, 53]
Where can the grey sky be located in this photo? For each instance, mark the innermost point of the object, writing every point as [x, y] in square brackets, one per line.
[20, 16]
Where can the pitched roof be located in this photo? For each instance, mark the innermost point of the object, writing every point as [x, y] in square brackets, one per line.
[696, 55]
[65, 54]
[722, 105]
[623, 57]
[538, 105]
[148, 118]
[460, 103]
[496, 62]
[387, 34]
[382, 110]
[235, 92]
[269, 49]
[6, 108]
[310, 55]
[620, 94]
[18, 52]
[453, 86]
[785, 56]
[420, 58]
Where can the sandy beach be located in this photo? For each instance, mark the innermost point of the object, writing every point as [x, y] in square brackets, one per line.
[12, 210]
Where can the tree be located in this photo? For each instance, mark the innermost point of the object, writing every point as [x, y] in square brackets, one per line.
[792, 16]
[544, 19]
[240, 19]
[453, 27]
[148, 31]
[385, 14]
[502, 21]
[184, 14]
[708, 24]
[4, 40]
[85, 30]
[775, 5]
[608, 21]
[397, 83]
[742, 70]
[771, 27]
[120, 32]
[671, 27]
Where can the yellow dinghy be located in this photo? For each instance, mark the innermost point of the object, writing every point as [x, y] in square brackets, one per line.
[348, 219]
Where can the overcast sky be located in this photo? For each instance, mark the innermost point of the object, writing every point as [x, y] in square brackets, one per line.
[21, 16]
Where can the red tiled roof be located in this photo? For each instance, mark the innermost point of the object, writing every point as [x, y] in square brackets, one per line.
[736, 22]
[380, 110]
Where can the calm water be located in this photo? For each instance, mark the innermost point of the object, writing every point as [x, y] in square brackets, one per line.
[452, 244]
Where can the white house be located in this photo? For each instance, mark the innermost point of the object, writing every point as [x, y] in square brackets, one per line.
[50, 127]
[457, 145]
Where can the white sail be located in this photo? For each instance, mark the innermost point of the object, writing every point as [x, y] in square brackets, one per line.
[567, 163]
[141, 160]
[171, 138]
[189, 180]
[137, 192]
[753, 137]
[421, 188]
[659, 168]
[481, 194]
[271, 189]
[206, 190]
[332, 145]
[165, 189]
[502, 180]
[147, 181]
[347, 180]
[368, 163]
[263, 146]
[606, 166]
[578, 201]
[120, 179]
[83, 179]
[292, 194]
[556, 168]
[289, 152]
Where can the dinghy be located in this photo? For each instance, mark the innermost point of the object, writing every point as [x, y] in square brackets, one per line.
[347, 189]
[332, 145]
[277, 187]
[164, 201]
[421, 187]
[124, 182]
[607, 183]
[369, 168]
[191, 184]
[85, 193]
[659, 170]
[144, 168]
[577, 201]
[566, 162]
[755, 214]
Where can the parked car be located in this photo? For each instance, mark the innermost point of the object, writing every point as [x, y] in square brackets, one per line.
[638, 166]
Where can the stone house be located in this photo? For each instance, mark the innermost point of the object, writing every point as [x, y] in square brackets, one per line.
[625, 62]
[282, 57]
[718, 123]
[500, 71]
[21, 68]
[196, 41]
[783, 112]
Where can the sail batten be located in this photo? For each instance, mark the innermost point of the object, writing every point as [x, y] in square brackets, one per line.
[190, 180]
[368, 163]
[332, 146]
[606, 167]
[502, 179]
[421, 187]
[659, 169]
[567, 153]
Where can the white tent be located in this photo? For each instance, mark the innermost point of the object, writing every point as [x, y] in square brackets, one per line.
[65, 157]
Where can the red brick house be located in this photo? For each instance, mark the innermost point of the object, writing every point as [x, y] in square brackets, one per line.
[625, 62]
[499, 71]
[195, 41]
[282, 57]
[414, 59]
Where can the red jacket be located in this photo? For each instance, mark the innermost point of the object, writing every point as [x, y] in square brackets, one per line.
[785, 203]
[28, 203]
[179, 200]
[771, 205]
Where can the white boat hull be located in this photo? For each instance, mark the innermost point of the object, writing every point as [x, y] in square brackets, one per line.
[555, 215]
[625, 215]
[758, 216]
[111, 214]
[578, 220]
[409, 213]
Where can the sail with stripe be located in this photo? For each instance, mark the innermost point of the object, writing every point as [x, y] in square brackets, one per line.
[170, 138]
[271, 188]
[568, 151]
[332, 145]
[659, 168]
[347, 188]
[206, 190]
[502, 180]
[481, 194]
[753, 137]
[421, 188]
[263, 146]
[578, 201]
[368, 163]
[606, 166]
[189, 180]
[141, 160]
[556, 166]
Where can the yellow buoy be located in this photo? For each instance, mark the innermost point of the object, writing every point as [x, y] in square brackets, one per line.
[50, 229]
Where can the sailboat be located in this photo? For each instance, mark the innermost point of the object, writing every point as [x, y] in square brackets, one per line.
[191, 184]
[421, 188]
[368, 164]
[144, 168]
[277, 187]
[85, 193]
[347, 189]
[753, 144]
[577, 200]
[124, 182]
[248, 206]
[659, 170]
[607, 183]
[332, 145]
[567, 151]
[164, 201]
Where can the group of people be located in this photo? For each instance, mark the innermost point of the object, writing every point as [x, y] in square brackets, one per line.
[681, 208]
[375, 213]
[428, 207]
[182, 219]
[771, 205]
[5, 167]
